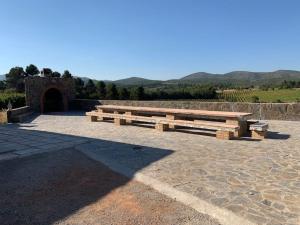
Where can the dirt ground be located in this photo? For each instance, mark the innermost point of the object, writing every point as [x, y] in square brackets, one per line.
[66, 187]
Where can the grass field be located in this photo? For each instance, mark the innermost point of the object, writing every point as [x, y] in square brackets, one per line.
[277, 95]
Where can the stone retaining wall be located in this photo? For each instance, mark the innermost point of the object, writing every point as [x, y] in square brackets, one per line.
[264, 111]
[18, 111]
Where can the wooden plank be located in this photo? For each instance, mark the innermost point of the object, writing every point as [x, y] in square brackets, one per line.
[162, 120]
[195, 112]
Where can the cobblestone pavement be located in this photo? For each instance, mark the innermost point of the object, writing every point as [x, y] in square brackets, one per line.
[257, 180]
[66, 187]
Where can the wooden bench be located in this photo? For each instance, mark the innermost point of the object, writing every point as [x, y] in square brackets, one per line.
[165, 119]
[259, 130]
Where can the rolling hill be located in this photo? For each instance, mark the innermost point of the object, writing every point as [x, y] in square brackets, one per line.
[137, 81]
[235, 78]
[238, 78]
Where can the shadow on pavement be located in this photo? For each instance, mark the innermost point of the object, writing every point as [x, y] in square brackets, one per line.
[46, 188]
[277, 135]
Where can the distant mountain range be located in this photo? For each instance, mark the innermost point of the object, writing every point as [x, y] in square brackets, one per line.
[235, 77]
[136, 81]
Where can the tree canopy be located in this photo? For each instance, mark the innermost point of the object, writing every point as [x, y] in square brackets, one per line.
[15, 78]
[67, 74]
[46, 72]
[101, 89]
[32, 70]
[112, 92]
[56, 74]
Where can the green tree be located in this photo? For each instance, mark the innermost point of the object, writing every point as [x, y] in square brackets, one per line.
[15, 78]
[101, 89]
[79, 87]
[90, 88]
[2, 85]
[32, 70]
[56, 74]
[204, 92]
[46, 72]
[123, 94]
[112, 92]
[67, 74]
[137, 93]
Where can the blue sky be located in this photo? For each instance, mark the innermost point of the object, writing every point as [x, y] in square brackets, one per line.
[157, 39]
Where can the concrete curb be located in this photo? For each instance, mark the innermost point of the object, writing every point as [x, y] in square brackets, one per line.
[224, 216]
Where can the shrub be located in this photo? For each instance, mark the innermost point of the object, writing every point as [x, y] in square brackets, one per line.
[16, 99]
[255, 99]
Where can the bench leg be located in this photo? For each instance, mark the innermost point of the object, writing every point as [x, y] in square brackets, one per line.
[92, 118]
[100, 118]
[242, 127]
[224, 135]
[258, 134]
[161, 127]
[129, 114]
[119, 122]
[171, 117]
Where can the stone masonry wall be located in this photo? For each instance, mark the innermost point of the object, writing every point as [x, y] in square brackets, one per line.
[35, 88]
[264, 111]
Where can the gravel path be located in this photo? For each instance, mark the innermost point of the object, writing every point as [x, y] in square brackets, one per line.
[65, 187]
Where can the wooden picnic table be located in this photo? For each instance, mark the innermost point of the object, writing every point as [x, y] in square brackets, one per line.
[230, 118]
[169, 111]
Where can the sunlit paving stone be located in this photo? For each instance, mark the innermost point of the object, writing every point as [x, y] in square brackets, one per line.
[255, 180]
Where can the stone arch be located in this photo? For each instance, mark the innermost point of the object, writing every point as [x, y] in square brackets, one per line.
[39, 89]
[53, 100]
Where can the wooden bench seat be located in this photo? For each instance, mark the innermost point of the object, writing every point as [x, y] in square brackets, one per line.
[259, 130]
[224, 131]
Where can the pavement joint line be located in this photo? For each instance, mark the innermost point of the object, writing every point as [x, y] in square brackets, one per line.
[36, 150]
[224, 216]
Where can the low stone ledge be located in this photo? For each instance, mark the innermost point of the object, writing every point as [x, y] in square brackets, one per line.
[19, 111]
[260, 111]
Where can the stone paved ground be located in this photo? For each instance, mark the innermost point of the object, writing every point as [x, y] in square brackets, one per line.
[66, 187]
[257, 180]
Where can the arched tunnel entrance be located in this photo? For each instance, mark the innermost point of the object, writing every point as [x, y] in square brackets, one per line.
[53, 101]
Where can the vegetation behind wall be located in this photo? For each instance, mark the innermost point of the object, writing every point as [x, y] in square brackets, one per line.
[16, 99]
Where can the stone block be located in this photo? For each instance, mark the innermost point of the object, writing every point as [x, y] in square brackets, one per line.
[92, 118]
[255, 134]
[129, 114]
[225, 135]
[171, 117]
[119, 122]
[242, 127]
[161, 127]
